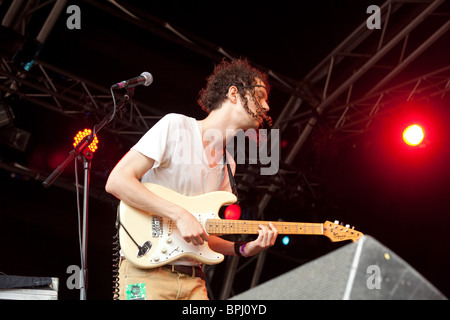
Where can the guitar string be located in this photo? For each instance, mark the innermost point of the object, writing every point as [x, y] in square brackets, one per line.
[250, 226]
[224, 226]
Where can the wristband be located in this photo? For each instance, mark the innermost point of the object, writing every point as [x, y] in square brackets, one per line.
[242, 250]
[237, 248]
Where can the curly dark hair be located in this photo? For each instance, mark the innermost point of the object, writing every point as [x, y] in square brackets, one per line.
[237, 73]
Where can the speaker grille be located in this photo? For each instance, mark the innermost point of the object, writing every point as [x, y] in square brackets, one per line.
[365, 270]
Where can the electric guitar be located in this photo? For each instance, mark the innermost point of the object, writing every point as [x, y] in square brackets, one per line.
[151, 241]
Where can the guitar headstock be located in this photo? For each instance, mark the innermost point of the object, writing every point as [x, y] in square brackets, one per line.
[339, 232]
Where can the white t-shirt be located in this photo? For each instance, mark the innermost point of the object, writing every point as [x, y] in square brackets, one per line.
[175, 143]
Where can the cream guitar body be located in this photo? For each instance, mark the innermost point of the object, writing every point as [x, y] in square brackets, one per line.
[163, 239]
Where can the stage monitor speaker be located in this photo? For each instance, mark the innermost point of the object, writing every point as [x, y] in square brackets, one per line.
[365, 270]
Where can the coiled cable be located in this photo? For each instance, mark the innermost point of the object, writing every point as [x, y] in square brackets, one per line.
[116, 260]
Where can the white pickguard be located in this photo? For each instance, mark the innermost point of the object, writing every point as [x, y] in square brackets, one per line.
[171, 245]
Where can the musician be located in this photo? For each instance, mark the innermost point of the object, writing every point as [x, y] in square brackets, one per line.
[185, 155]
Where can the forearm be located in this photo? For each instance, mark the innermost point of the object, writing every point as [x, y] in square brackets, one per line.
[222, 246]
[135, 194]
[124, 183]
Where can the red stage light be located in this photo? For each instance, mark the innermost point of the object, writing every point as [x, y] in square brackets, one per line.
[413, 135]
[233, 212]
[80, 136]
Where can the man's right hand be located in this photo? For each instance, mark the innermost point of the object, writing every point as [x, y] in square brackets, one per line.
[190, 228]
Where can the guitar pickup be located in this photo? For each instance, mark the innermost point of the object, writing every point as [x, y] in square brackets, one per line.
[157, 226]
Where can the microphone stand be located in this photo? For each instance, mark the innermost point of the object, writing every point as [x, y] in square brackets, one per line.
[81, 150]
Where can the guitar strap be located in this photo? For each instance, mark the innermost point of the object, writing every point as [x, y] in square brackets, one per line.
[230, 175]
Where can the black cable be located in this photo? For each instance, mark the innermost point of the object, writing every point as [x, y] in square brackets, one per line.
[116, 260]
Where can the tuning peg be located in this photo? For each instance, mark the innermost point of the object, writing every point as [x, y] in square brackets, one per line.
[336, 221]
[347, 226]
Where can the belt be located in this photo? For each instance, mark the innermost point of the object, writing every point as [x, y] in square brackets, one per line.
[188, 270]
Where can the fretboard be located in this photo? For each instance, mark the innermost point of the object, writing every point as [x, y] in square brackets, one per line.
[223, 226]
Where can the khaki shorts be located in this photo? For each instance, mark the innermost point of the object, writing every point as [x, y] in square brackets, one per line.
[158, 284]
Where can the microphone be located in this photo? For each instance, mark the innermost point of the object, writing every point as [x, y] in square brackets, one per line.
[145, 78]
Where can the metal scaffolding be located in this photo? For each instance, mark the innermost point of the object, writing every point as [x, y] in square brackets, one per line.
[70, 95]
[336, 92]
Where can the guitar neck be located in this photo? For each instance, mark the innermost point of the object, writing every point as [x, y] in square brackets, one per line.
[221, 227]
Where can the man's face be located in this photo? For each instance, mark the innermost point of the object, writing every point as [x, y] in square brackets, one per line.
[257, 103]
